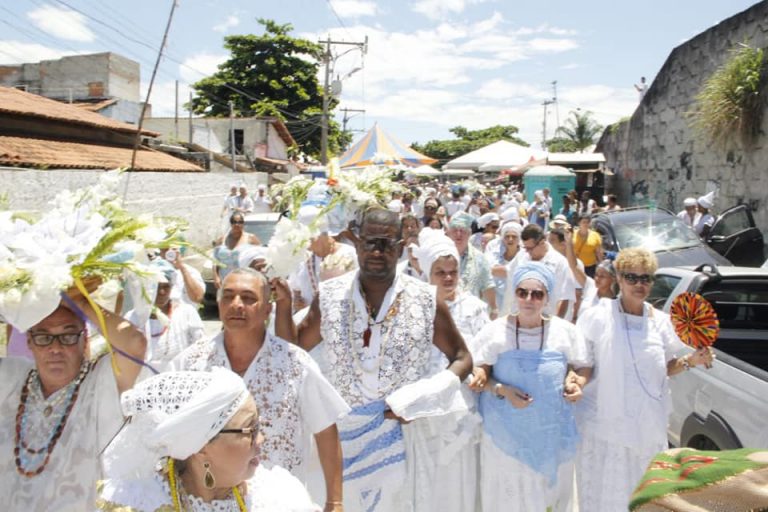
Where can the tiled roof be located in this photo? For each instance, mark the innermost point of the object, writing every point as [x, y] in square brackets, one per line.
[39, 153]
[14, 101]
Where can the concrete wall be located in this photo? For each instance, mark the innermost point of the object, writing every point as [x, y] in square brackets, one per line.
[105, 75]
[197, 197]
[657, 157]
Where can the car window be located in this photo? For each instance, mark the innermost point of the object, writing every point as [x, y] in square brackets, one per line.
[663, 233]
[732, 223]
[605, 236]
[741, 306]
[661, 290]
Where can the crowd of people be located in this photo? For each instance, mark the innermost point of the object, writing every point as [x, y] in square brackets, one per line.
[450, 351]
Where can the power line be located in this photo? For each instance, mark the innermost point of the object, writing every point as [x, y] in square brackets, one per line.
[341, 22]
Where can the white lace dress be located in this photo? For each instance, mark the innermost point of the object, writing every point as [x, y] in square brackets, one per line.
[269, 490]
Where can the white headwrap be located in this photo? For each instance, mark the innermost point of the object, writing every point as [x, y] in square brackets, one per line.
[689, 201]
[433, 244]
[486, 219]
[512, 226]
[510, 212]
[707, 201]
[249, 253]
[173, 414]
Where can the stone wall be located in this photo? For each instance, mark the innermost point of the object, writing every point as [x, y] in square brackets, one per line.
[657, 157]
[197, 197]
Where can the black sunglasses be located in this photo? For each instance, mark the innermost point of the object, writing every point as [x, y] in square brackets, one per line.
[633, 278]
[67, 339]
[523, 293]
[233, 222]
[380, 244]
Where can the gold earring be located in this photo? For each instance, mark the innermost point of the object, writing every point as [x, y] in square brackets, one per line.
[208, 480]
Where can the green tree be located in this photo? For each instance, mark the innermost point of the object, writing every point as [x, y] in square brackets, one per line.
[272, 74]
[468, 140]
[580, 130]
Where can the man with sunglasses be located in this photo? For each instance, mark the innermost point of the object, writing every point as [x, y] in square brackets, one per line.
[536, 248]
[378, 330]
[58, 414]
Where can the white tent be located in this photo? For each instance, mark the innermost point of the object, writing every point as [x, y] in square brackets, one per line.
[495, 157]
[424, 170]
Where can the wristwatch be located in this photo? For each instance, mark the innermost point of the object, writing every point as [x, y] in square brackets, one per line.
[497, 391]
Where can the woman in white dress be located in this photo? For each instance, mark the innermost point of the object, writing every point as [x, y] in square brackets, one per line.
[531, 368]
[450, 441]
[623, 416]
[192, 444]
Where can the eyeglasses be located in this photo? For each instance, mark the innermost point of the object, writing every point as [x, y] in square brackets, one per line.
[529, 249]
[523, 293]
[427, 207]
[66, 339]
[253, 432]
[633, 278]
[233, 222]
[380, 244]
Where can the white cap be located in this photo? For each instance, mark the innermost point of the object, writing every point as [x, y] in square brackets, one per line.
[707, 200]
[559, 221]
[486, 219]
[262, 186]
[689, 201]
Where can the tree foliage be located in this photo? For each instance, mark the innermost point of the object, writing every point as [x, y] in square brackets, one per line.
[467, 141]
[272, 74]
[577, 134]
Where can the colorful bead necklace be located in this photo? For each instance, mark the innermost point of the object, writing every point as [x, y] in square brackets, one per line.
[20, 443]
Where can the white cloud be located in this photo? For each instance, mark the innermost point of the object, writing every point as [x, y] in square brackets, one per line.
[200, 65]
[163, 100]
[549, 45]
[16, 52]
[354, 8]
[62, 23]
[230, 22]
[441, 9]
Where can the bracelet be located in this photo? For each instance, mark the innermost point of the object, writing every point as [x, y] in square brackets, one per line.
[334, 503]
[497, 391]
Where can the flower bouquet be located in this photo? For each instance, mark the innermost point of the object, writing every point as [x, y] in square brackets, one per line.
[84, 239]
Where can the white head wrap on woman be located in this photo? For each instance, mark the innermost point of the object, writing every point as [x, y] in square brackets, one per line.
[433, 244]
[512, 226]
[486, 219]
[173, 414]
[534, 270]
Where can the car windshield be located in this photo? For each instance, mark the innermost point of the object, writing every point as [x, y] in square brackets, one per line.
[657, 234]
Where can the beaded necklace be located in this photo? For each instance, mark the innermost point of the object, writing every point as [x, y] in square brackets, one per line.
[175, 490]
[21, 457]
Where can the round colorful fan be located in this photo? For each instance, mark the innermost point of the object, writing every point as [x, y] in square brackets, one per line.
[695, 320]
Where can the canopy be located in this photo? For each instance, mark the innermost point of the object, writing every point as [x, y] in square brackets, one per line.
[500, 155]
[379, 147]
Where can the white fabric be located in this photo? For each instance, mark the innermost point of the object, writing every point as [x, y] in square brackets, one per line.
[689, 201]
[250, 253]
[559, 335]
[565, 283]
[301, 280]
[434, 396]
[173, 414]
[294, 399]
[707, 200]
[68, 483]
[454, 206]
[511, 226]
[704, 220]
[434, 244]
[508, 484]
[163, 344]
[269, 490]
[262, 204]
[627, 401]
[179, 290]
[692, 222]
[486, 219]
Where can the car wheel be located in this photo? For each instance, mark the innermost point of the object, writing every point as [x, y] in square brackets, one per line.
[703, 443]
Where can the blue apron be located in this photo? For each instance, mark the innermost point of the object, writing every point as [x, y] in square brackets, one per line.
[542, 435]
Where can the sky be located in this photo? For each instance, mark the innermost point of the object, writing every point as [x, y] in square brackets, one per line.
[430, 64]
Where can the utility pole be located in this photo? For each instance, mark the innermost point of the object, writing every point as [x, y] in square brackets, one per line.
[347, 117]
[327, 59]
[190, 117]
[557, 105]
[176, 112]
[544, 125]
[232, 134]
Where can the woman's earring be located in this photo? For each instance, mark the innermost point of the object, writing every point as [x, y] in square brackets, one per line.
[208, 479]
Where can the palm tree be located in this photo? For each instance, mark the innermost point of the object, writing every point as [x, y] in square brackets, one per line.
[580, 129]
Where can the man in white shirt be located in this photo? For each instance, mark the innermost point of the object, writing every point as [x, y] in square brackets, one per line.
[262, 203]
[689, 214]
[454, 205]
[536, 248]
[706, 220]
[242, 203]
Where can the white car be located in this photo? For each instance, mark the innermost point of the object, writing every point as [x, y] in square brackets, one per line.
[724, 407]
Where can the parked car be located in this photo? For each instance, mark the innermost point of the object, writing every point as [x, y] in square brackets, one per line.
[260, 224]
[724, 407]
[733, 239]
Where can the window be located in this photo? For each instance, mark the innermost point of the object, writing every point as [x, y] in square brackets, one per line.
[742, 308]
[239, 139]
[662, 289]
[732, 223]
[656, 234]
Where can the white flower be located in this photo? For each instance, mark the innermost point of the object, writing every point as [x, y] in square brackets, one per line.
[287, 248]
